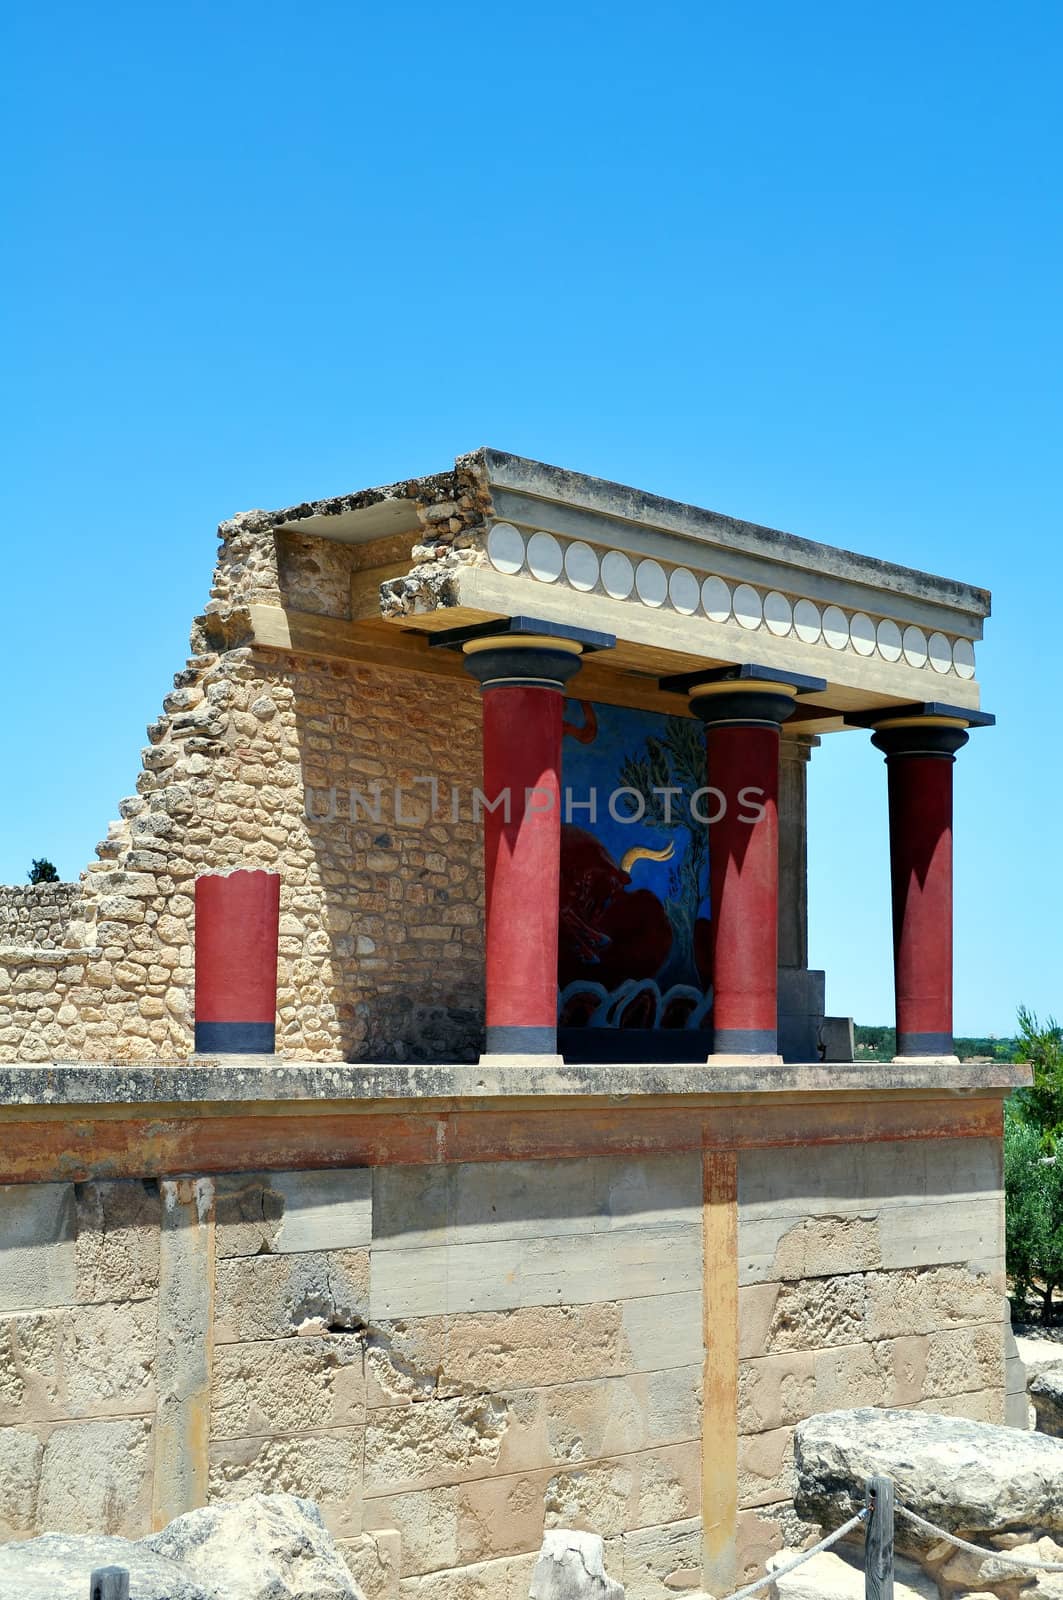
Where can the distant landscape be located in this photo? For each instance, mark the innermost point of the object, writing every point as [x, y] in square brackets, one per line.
[880, 1044]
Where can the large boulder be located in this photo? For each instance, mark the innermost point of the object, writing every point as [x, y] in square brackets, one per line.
[969, 1477]
[571, 1566]
[1046, 1392]
[267, 1547]
[839, 1575]
[58, 1566]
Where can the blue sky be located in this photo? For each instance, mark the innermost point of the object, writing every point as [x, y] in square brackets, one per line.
[797, 263]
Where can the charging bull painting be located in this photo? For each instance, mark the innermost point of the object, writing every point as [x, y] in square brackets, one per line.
[633, 942]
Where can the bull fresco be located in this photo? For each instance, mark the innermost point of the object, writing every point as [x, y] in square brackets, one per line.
[633, 936]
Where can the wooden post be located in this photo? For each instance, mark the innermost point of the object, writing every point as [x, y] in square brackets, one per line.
[878, 1540]
[109, 1583]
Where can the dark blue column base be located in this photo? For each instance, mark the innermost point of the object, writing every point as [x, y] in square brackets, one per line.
[236, 1038]
[521, 1041]
[925, 1044]
[745, 1042]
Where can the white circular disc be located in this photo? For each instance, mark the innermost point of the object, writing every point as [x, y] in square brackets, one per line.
[914, 646]
[505, 547]
[889, 640]
[778, 613]
[651, 583]
[618, 575]
[544, 557]
[581, 566]
[807, 624]
[748, 608]
[940, 652]
[683, 591]
[963, 658]
[862, 633]
[716, 599]
[836, 627]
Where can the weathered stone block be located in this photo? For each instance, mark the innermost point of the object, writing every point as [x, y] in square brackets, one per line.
[771, 1249]
[21, 1453]
[436, 1442]
[506, 1578]
[272, 1546]
[962, 1360]
[117, 1251]
[660, 1560]
[272, 1387]
[37, 1263]
[272, 1297]
[765, 1467]
[931, 1299]
[293, 1212]
[324, 1467]
[374, 1561]
[95, 1477]
[816, 1312]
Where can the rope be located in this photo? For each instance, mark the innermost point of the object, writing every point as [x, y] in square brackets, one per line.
[976, 1549]
[799, 1561]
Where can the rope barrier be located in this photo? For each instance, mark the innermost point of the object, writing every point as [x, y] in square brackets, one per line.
[1022, 1562]
[806, 1555]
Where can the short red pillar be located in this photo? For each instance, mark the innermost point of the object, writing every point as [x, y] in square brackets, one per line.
[920, 753]
[742, 722]
[522, 683]
[237, 916]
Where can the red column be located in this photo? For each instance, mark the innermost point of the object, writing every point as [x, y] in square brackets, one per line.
[742, 752]
[522, 684]
[237, 917]
[920, 753]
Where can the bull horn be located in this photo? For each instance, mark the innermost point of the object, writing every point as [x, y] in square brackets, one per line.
[640, 853]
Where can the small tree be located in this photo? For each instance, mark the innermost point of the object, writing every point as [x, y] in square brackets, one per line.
[1033, 1192]
[1042, 1104]
[42, 871]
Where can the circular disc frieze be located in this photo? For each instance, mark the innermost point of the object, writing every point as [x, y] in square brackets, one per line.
[807, 622]
[581, 566]
[889, 640]
[651, 583]
[862, 634]
[778, 613]
[914, 645]
[940, 652]
[544, 557]
[963, 658]
[505, 547]
[836, 627]
[618, 575]
[748, 607]
[683, 591]
[716, 599]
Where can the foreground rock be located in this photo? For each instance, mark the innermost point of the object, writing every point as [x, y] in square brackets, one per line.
[1046, 1392]
[832, 1576]
[571, 1566]
[268, 1547]
[58, 1566]
[997, 1487]
[970, 1477]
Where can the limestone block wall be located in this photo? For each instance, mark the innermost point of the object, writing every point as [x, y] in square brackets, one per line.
[868, 1276]
[446, 1358]
[35, 913]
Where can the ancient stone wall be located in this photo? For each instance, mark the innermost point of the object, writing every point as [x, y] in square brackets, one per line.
[35, 914]
[307, 766]
[867, 1277]
[445, 1358]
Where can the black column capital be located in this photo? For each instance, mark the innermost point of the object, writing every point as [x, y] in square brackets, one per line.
[744, 705]
[527, 662]
[939, 737]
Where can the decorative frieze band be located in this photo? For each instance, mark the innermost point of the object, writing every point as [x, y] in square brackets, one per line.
[651, 583]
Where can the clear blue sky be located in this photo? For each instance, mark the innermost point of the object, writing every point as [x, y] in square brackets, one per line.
[800, 263]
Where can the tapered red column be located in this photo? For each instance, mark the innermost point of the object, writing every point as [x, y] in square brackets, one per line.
[522, 684]
[920, 753]
[742, 751]
[237, 915]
